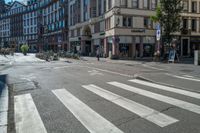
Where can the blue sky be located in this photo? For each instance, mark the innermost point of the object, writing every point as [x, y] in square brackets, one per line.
[10, 0]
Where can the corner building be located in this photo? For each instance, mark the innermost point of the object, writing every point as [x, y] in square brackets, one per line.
[123, 29]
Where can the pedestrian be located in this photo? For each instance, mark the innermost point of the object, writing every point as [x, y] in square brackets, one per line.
[98, 53]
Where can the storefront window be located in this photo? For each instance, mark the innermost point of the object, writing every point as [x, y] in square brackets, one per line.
[148, 50]
[124, 50]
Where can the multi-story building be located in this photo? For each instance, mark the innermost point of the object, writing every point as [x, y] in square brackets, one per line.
[53, 21]
[14, 17]
[123, 28]
[40, 24]
[30, 27]
[4, 31]
[2, 6]
[190, 32]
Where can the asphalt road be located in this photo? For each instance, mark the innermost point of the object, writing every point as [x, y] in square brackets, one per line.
[72, 96]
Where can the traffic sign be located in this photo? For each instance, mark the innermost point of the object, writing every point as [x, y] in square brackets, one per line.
[157, 26]
[158, 35]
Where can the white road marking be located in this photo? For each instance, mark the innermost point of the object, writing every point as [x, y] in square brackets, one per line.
[179, 103]
[94, 122]
[145, 112]
[148, 66]
[187, 78]
[166, 88]
[108, 71]
[27, 118]
[95, 72]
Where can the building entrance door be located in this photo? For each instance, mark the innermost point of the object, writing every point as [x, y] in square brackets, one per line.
[185, 47]
[87, 48]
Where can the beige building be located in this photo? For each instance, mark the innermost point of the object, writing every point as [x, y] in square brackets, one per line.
[122, 28]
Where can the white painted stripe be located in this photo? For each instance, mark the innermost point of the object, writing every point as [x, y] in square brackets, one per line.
[166, 88]
[187, 78]
[148, 66]
[108, 71]
[27, 118]
[179, 103]
[88, 117]
[145, 112]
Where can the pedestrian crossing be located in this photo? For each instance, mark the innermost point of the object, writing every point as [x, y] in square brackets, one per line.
[28, 120]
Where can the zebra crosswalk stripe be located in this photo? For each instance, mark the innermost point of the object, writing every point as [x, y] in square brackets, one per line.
[27, 118]
[147, 113]
[187, 78]
[94, 122]
[166, 88]
[179, 103]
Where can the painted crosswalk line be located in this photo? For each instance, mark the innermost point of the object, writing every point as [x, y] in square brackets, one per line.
[167, 88]
[27, 118]
[147, 113]
[94, 122]
[179, 103]
[187, 78]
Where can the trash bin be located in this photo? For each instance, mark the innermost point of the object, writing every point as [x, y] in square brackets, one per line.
[197, 57]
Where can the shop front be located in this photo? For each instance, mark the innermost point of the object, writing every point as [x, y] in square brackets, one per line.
[148, 46]
[194, 45]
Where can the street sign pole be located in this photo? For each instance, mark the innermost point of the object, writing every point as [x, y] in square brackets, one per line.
[158, 36]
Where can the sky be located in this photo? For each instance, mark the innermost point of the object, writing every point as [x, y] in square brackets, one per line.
[13, 0]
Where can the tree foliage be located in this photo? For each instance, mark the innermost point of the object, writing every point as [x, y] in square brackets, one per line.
[169, 17]
[24, 49]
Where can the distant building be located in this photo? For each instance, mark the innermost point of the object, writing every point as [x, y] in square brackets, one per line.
[40, 24]
[53, 33]
[2, 6]
[30, 25]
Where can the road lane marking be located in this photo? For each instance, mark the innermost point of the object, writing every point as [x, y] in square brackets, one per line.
[179, 103]
[94, 122]
[145, 112]
[108, 71]
[187, 78]
[166, 88]
[95, 72]
[148, 66]
[27, 118]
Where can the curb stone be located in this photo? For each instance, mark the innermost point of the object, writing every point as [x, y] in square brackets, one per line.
[3, 107]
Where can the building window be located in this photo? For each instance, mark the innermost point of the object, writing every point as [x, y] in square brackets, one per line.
[97, 27]
[153, 4]
[72, 33]
[127, 21]
[148, 23]
[194, 24]
[146, 4]
[78, 31]
[109, 4]
[135, 3]
[123, 3]
[194, 7]
[185, 23]
[107, 23]
[185, 5]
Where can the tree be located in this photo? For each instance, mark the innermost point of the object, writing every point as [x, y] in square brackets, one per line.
[24, 49]
[170, 17]
[158, 16]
